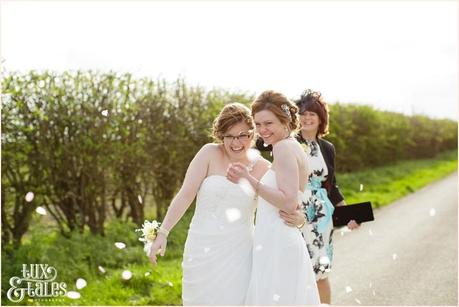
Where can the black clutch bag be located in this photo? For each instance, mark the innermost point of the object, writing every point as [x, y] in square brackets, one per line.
[360, 212]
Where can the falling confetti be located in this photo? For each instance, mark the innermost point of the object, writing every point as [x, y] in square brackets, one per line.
[147, 273]
[126, 275]
[259, 247]
[41, 210]
[120, 245]
[361, 188]
[374, 293]
[206, 250]
[276, 297]
[370, 232]
[358, 301]
[324, 260]
[432, 212]
[348, 289]
[29, 197]
[253, 155]
[232, 214]
[394, 256]
[81, 283]
[104, 113]
[170, 284]
[101, 269]
[371, 284]
[73, 295]
[140, 199]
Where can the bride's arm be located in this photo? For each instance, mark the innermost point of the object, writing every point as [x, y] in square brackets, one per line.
[195, 174]
[285, 197]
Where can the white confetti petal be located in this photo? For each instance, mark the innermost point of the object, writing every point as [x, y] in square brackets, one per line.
[358, 301]
[139, 197]
[361, 188]
[394, 256]
[374, 293]
[370, 232]
[371, 284]
[73, 295]
[81, 283]
[206, 250]
[147, 273]
[29, 197]
[232, 214]
[126, 275]
[276, 297]
[432, 212]
[348, 289]
[120, 245]
[170, 284]
[324, 260]
[101, 269]
[104, 113]
[252, 155]
[41, 211]
[259, 247]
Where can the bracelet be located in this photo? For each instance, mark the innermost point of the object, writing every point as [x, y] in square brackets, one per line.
[301, 226]
[163, 230]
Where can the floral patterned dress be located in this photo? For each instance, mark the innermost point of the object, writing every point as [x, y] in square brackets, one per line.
[318, 230]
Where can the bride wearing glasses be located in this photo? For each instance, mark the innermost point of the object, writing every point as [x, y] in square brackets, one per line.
[217, 258]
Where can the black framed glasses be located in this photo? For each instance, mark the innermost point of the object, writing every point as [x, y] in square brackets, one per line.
[243, 136]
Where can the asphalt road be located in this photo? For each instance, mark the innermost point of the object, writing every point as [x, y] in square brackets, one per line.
[407, 256]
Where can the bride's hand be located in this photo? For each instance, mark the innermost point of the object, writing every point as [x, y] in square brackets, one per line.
[294, 219]
[158, 246]
[236, 171]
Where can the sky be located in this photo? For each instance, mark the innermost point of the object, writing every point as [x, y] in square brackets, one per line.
[394, 55]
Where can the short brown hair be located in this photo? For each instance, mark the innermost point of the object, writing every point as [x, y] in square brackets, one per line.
[230, 115]
[273, 101]
[313, 101]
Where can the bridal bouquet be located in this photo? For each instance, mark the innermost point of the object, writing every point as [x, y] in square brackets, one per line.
[148, 235]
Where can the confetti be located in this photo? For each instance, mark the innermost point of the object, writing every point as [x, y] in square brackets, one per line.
[206, 250]
[370, 232]
[73, 295]
[232, 214]
[361, 188]
[81, 283]
[394, 256]
[358, 301]
[140, 199]
[348, 289]
[101, 269]
[126, 275]
[170, 284]
[371, 284]
[29, 197]
[259, 247]
[120, 245]
[432, 212]
[147, 273]
[276, 297]
[104, 113]
[41, 210]
[374, 293]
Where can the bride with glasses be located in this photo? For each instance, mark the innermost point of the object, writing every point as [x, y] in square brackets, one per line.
[217, 257]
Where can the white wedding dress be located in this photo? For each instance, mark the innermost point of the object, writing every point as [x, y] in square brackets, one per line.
[281, 271]
[217, 259]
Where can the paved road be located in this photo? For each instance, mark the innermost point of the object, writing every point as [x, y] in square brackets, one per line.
[407, 256]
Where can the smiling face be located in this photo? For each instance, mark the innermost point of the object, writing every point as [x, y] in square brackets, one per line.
[310, 122]
[269, 127]
[237, 140]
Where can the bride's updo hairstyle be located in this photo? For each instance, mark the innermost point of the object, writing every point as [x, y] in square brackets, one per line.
[230, 115]
[281, 106]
